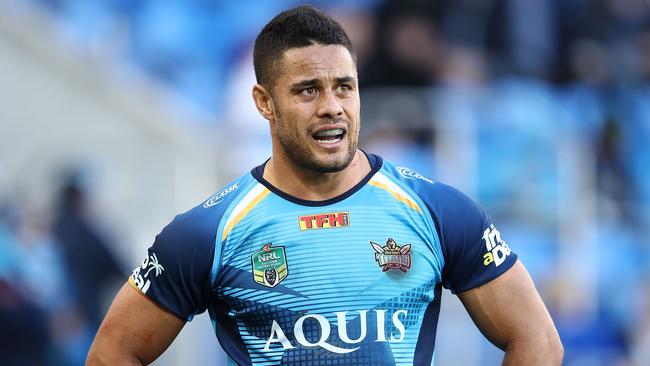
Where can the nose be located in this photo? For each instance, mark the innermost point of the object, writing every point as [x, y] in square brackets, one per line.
[329, 105]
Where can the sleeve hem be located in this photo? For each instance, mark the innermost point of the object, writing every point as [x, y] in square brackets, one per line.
[159, 304]
[501, 270]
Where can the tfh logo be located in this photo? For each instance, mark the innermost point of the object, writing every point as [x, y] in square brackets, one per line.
[324, 221]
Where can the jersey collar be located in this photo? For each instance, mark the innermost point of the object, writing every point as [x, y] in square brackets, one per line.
[375, 161]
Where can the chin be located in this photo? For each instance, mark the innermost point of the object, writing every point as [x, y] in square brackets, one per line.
[317, 159]
[329, 165]
[326, 164]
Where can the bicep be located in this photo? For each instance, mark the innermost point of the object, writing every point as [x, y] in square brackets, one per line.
[135, 330]
[508, 309]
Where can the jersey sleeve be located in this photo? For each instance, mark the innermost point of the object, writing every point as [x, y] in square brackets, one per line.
[473, 249]
[176, 271]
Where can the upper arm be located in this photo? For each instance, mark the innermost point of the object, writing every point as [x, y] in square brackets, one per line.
[135, 331]
[169, 287]
[509, 311]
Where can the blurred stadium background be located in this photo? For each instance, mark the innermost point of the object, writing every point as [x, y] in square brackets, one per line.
[116, 115]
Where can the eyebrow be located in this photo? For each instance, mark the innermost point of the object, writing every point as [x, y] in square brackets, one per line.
[316, 82]
[305, 84]
[345, 79]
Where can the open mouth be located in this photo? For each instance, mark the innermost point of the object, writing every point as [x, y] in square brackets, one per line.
[330, 136]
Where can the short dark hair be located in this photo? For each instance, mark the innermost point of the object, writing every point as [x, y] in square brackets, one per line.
[299, 27]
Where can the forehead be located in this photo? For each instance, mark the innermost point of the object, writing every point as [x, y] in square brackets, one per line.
[316, 62]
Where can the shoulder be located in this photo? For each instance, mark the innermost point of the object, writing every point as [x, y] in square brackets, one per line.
[472, 247]
[195, 230]
[458, 220]
[440, 198]
[176, 271]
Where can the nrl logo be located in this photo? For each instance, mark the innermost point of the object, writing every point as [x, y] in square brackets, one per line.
[269, 265]
[392, 256]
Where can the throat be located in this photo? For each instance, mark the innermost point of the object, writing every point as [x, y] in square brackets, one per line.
[315, 186]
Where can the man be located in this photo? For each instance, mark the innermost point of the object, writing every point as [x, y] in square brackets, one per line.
[324, 254]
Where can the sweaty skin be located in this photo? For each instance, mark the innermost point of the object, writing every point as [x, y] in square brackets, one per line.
[135, 331]
[511, 314]
[316, 90]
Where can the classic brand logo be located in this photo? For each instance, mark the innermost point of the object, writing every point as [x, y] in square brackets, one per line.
[411, 174]
[270, 265]
[141, 280]
[497, 249]
[392, 256]
[325, 220]
[325, 329]
[219, 196]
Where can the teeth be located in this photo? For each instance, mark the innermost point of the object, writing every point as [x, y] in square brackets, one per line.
[329, 133]
[329, 141]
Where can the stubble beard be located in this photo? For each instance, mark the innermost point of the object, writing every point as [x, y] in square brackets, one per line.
[302, 156]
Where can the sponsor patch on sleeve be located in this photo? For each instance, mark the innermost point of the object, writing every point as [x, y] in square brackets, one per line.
[140, 277]
[497, 249]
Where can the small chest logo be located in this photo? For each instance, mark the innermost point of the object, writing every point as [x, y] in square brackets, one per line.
[324, 221]
[411, 174]
[392, 256]
[219, 196]
[269, 265]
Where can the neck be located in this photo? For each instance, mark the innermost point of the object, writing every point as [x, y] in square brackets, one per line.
[315, 186]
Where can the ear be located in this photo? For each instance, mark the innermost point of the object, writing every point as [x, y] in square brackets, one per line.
[263, 101]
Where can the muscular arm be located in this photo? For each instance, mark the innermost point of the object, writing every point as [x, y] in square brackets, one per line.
[135, 331]
[510, 313]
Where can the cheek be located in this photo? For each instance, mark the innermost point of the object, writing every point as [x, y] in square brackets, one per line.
[297, 116]
[287, 124]
[352, 103]
[353, 109]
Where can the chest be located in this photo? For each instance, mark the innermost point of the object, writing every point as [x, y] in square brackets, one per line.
[360, 252]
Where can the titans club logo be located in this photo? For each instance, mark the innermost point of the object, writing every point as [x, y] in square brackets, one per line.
[392, 256]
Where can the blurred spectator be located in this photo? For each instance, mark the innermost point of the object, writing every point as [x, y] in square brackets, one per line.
[91, 264]
[24, 333]
[614, 183]
[408, 47]
[39, 309]
[46, 281]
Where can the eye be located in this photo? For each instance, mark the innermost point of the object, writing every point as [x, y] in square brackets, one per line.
[311, 91]
[343, 88]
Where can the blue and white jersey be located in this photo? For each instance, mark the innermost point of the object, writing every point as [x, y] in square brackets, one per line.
[354, 280]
